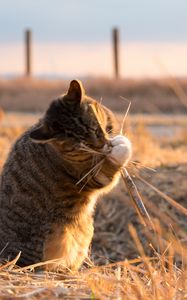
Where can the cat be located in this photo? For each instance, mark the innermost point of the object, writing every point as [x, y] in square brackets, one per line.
[1, 114]
[52, 178]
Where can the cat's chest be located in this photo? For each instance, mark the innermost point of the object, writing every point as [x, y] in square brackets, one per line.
[69, 244]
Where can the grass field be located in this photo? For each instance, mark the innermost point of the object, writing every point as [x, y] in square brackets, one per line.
[147, 96]
[127, 260]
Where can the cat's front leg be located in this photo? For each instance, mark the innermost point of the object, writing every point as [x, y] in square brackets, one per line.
[119, 152]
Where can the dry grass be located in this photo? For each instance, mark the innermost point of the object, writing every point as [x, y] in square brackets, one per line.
[135, 264]
[127, 263]
[144, 278]
[150, 96]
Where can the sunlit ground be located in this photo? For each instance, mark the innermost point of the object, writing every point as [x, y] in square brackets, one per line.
[155, 277]
[123, 265]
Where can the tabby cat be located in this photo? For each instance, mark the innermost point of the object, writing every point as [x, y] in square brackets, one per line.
[53, 175]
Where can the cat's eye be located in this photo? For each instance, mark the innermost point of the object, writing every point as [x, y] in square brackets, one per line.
[109, 129]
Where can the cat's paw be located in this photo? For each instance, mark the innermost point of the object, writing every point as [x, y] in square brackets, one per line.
[121, 150]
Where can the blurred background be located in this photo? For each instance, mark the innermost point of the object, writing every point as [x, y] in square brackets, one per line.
[124, 51]
[74, 38]
[129, 48]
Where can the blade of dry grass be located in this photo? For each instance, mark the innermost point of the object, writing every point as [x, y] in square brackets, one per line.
[146, 262]
[137, 200]
[125, 116]
[178, 206]
[10, 264]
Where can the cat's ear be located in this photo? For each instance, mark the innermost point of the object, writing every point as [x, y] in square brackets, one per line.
[41, 135]
[76, 91]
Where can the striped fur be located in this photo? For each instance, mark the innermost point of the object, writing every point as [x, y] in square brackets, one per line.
[46, 201]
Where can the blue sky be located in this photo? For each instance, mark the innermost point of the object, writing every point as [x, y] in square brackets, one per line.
[85, 20]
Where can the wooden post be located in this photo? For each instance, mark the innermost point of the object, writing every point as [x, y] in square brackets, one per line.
[28, 40]
[115, 37]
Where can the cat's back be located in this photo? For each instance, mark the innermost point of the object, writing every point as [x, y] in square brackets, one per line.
[27, 182]
[25, 165]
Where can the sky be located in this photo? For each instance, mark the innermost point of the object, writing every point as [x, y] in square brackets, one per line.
[85, 20]
[88, 23]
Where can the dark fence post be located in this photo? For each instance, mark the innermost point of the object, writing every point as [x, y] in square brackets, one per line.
[28, 40]
[115, 39]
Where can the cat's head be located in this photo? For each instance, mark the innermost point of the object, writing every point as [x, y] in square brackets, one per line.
[75, 119]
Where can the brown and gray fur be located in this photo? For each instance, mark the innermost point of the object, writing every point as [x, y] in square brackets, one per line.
[45, 209]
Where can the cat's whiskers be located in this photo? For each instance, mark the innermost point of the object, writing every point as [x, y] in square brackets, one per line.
[90, 150]
[126, 113]
[95, 172]
[139, 165]
[96, 155]
[113, 132]
[90, 171]
[94, 160]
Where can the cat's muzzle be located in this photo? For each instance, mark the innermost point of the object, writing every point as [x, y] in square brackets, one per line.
[118, 149]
